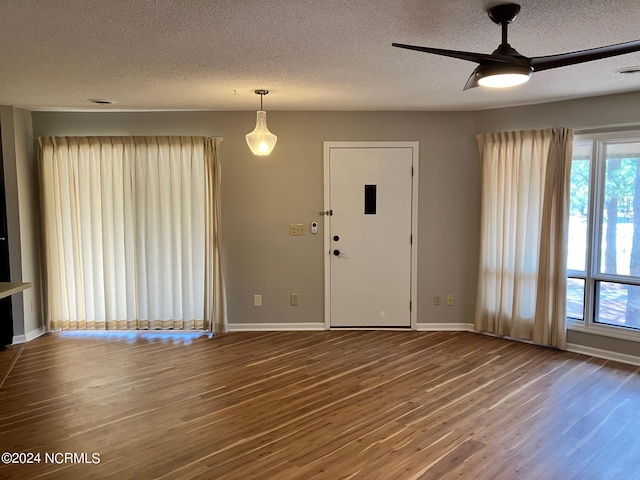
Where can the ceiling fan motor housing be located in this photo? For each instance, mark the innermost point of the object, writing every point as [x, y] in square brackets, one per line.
[505, 13]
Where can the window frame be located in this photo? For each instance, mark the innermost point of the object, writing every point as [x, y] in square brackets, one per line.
[591, 276]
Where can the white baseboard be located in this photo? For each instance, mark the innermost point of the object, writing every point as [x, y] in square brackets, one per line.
[29, 335]
[445, 327]
[269, 327]
[274, 327]
[606, 354]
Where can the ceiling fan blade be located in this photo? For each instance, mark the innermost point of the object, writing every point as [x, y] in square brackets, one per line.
[572, 58]
[469, 56]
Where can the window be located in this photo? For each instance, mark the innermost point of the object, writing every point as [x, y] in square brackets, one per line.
[603, 263]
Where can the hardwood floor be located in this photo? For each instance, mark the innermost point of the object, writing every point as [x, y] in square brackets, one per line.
[321, 405]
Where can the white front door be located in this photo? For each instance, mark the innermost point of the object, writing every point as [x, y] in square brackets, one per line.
[368, 236]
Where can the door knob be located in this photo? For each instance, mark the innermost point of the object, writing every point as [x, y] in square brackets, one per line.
[336, 252]
[336, 238]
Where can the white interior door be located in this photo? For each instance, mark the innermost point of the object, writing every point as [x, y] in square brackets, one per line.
[369, 235]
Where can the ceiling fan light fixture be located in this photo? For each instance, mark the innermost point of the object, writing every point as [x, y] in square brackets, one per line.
[261, 141]
[503, 80]
[502, 76]
[505, 67]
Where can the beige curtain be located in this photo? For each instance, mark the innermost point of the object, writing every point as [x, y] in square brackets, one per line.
[130, 228]
[525, 203]
[215, 295]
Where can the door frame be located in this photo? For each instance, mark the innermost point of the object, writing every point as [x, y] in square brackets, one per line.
[414, 222]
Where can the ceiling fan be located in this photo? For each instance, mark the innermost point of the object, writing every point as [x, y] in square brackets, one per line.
[505, 67]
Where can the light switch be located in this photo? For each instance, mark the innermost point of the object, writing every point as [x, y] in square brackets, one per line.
[294, 299]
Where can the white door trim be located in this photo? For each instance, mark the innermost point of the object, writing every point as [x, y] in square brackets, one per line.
[414, 222]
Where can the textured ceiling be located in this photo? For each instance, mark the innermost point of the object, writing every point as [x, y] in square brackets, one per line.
[310, 54]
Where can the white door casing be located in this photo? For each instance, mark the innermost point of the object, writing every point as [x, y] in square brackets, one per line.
[372, 282]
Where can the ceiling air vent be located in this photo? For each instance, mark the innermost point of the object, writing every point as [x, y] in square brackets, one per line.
[627, 70]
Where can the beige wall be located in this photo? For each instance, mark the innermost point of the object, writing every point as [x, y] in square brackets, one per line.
[598, 113]
[262, 196]
[29, 201]
[22, 218]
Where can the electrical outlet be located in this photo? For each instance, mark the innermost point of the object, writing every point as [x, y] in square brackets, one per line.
[436, 299]
[294, 299]
[257, 300]
[450, 299]
[297, 229]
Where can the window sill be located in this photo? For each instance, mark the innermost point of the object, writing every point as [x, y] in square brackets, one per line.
[621, 333]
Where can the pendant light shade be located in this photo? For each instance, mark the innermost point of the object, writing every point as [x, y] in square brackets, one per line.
[261, 141]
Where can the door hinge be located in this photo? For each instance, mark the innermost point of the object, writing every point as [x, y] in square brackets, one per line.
[411, 239]
[412, 170]
[410, 306]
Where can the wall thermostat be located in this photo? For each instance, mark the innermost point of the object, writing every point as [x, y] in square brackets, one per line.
[314, 227]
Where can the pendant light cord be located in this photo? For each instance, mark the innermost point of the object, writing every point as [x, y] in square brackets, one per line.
[262, 93]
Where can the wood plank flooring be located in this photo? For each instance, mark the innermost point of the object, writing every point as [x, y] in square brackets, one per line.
[316, 405]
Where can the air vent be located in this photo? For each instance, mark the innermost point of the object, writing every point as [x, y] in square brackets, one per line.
[628, 70]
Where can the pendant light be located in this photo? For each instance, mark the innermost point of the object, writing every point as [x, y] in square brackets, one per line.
[261, 141]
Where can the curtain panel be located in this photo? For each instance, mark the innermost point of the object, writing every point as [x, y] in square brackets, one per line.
[524, 221]
[131, 233]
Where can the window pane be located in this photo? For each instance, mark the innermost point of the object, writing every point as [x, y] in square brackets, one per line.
[620, 254]
[618, 304]
[579, 204]
[575, 298]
